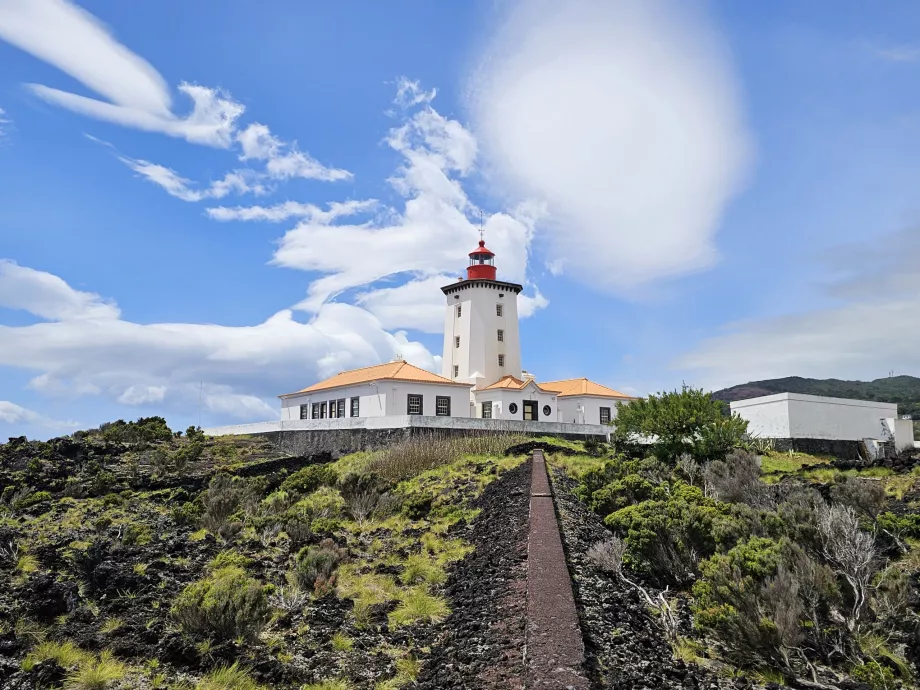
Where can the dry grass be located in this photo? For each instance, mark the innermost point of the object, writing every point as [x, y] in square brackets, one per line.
[416, 455]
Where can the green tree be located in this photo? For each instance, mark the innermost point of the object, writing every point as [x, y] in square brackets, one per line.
[677, 422]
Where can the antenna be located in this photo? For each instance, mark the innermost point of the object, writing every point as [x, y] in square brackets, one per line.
[481, 230]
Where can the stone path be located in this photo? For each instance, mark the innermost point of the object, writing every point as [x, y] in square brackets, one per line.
[555, 650]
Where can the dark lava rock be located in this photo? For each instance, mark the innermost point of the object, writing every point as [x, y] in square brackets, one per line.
[481, 644]
[624, 648]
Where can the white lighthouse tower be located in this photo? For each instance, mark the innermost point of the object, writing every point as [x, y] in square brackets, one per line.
[481, 338]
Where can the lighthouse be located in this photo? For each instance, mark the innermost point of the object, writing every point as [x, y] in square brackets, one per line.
[481, 337]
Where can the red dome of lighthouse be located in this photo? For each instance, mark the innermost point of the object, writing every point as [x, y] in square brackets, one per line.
[482, 264]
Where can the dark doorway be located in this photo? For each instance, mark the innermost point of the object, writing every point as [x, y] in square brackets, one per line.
[530, 410]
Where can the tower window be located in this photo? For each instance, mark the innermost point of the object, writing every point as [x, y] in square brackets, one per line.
[414, 404]
[501, 335]
[487, 409]
[456, 370]
[442, 406]
[501, 360]
[605, 415]
[459, 310]
[456, 341]
[498, 310]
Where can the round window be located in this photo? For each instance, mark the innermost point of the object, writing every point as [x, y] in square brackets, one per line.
[512, 408]
[547, 410]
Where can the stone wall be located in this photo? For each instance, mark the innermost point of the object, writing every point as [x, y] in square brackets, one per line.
[845, 450]
[339, 442]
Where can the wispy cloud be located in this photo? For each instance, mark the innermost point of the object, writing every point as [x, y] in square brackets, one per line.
[49, 297]
[74, 41]
[236, 181]
[872, 330]
[292, 209]
[283, 160]
[11, 413]
[4, 122]
[899, 53]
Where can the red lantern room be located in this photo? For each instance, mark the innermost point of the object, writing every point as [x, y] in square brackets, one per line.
[482, 264]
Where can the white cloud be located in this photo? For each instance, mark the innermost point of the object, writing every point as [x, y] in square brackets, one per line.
[427, 240]
[410, 93]
[622, 116]
[284, 161]
[236, 181]
[140, 395]
[11, 413]
[4, 122]
[528, 306]
[49, 297]
[873, 331]
[76, 42]
[167, 362]
[292, 209]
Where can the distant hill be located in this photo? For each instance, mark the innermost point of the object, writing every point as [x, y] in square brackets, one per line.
[903, 390]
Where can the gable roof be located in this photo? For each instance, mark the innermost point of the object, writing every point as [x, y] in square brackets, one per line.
[391, 371]
[582, 386]
[513, 383]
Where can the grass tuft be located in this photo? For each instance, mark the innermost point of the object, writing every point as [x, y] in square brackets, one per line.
[228, 678]
[65, 654]
[96, 674]
[418, 606]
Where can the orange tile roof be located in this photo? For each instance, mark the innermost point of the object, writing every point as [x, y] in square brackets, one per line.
[391, 371]
[571, 387]
[510, 381]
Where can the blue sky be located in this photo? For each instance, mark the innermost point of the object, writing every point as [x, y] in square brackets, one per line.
[203, 205]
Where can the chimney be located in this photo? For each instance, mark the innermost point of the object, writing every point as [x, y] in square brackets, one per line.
[527, 376]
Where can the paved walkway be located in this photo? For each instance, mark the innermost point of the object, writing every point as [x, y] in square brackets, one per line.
[555, 649]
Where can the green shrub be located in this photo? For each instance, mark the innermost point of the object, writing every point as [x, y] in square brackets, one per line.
[314, 566]
[34, 499]
[186, 454]
[227, 604]
[902, 525]
[686, 421]
[144, 430]
[309, 479]
[874, 675]
[229, 558]
[418, 606]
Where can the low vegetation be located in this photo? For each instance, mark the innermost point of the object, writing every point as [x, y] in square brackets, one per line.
[135, 556]
[776, 565]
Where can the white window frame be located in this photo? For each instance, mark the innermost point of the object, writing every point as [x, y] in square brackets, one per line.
[442, 406]
[501, 335]
[487, 409]
[356, 406]
[501, 361]
[602, 411]
[499, 310]
[410, 398]
[456, 370]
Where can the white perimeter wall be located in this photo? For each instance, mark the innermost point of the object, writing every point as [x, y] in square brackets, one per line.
[591, 409]
[902, 432]
[383, 398]
[791, 415]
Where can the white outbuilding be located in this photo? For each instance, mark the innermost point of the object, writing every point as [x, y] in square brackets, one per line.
[799, 416]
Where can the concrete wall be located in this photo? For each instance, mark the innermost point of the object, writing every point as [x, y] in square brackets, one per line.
[342, 436]
[902, 433]
[792, 415]
[477, 327]
[590, 409]
[383, 398]
[767, 416]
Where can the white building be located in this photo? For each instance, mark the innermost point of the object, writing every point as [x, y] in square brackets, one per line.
[798, 416]
[481, 370]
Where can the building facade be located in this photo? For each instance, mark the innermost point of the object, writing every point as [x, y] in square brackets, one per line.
[481, 374]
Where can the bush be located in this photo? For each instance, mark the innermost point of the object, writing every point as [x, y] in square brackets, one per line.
[361, 494]
[224, 497]
[866, 496]
[685, 421]
[227, 604]
[309, 479]
[314, 566]
[737, 480]
[667, 539]
[144, 430]
[874, 675]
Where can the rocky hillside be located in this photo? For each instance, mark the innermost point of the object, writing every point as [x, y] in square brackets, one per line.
[132, 557]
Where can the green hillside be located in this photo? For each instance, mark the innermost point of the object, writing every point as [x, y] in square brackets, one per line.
[903, 390]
